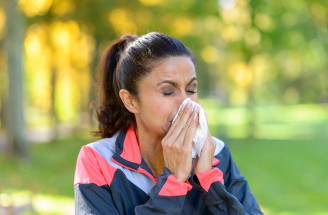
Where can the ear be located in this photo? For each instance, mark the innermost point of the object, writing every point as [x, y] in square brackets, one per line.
[129, 101]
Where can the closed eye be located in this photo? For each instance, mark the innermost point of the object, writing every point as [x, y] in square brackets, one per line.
[167, 93]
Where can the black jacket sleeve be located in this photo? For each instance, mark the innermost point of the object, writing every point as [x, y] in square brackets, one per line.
[93, 199]
[228, 191]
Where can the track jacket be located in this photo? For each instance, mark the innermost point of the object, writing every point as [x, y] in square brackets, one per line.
[112, 178]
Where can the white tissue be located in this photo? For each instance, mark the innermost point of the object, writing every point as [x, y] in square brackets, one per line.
[201, 130]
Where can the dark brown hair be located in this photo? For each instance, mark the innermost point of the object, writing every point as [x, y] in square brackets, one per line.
[123, 64]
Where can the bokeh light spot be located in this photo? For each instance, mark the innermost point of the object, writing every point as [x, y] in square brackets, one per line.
[252, 37]
[2, 22]
[121, 22]
[263, 21]
[35, 7]
[210, 54]
[150, 2]
[241, 73]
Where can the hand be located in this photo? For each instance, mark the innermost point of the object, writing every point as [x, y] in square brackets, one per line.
[177, 144]
[204, 162]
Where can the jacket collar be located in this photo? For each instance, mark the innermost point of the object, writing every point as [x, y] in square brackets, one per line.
[127, 153]
[127, 149]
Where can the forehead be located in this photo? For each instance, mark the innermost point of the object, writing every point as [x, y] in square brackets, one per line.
[178, 69]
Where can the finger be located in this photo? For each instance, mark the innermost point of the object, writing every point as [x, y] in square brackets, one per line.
[182, 121]
[176, 121]
[190, 133]
[186, 135]
[184, 144]
[193, 115]
[175, 129]
[188, 124]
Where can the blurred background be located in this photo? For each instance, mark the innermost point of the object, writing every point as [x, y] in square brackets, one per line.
[262, 67]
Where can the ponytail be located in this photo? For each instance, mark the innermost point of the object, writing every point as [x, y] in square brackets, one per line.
[111, 114]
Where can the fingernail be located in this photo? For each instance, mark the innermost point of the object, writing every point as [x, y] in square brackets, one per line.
[196, 108]
[193, 106]
[189, 105]
[183, 106]
[195, 117]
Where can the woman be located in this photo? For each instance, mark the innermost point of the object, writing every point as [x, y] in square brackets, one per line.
[143, 163]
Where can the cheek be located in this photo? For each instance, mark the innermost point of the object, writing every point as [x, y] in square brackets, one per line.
[157, 111]
[162, 110]
[157, 116]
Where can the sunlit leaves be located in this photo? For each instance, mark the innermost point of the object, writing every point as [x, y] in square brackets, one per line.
[38, 67]
[252, 37]
[63, 7]
[2, 22]
[182, 26]
[62, 51]
[269, 48]
[232, 33]
[286, 31]
[122, 22]
[151, 2]
[263, 22]
[210, 54]
[35, 7]
[241, 74]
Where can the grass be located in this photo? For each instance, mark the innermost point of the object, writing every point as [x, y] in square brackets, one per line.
[286, 176]
[300, 121]
[46, 180]
[48, 170]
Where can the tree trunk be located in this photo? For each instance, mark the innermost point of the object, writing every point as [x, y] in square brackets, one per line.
[93, 85]
[14, 122]
[251, 111]
[53, 103]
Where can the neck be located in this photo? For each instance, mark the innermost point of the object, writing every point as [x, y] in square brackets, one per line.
[151, 150]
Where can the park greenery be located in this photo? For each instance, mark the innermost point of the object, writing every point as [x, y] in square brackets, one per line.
[263, 79]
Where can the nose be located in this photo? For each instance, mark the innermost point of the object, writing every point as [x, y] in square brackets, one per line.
[182, 97]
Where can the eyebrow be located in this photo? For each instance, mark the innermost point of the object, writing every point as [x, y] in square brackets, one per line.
[175, 84]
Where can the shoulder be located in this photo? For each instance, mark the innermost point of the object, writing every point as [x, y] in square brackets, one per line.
[104, 147]
[92, 164]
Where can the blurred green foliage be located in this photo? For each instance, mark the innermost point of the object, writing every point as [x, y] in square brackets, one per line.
[300, 121]
[262, 69]
[249, 52]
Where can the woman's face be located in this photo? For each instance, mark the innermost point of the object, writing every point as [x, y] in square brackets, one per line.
[162, 91]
